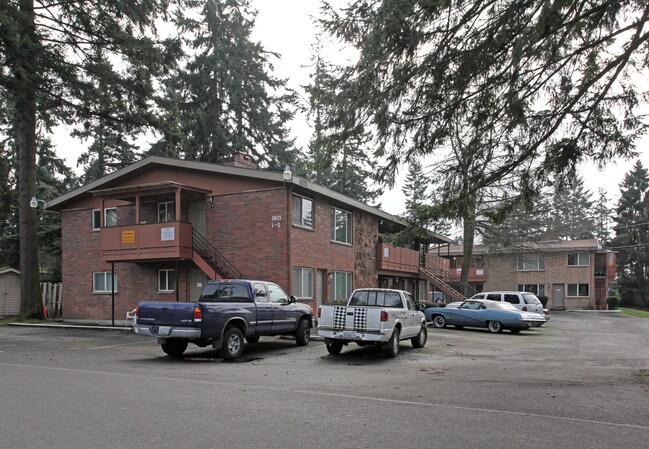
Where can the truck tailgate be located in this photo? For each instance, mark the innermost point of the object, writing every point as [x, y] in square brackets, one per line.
[167, 313]
[359, 319]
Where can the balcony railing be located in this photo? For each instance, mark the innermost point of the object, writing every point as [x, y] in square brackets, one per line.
[393, 258]
[157, 241]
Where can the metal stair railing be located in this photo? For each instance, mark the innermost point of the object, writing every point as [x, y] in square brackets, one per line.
[447, 279]
[214, 258]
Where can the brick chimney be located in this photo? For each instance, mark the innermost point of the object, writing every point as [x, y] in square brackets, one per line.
[240, 160]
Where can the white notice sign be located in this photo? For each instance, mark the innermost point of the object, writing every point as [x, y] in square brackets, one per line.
[167, 234]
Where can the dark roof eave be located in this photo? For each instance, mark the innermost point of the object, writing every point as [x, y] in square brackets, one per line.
[59, 203]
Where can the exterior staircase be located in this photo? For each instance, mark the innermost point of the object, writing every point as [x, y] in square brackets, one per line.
[211, 261]
[445, 281]
[600, 293]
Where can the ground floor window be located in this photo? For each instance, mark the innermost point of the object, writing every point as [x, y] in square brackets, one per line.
[101, 282]
[303, 283]
[579, 290]
[167, 280]
[537, 289]
[342, 287]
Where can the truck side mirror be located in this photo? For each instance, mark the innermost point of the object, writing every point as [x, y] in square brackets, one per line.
[292, 299]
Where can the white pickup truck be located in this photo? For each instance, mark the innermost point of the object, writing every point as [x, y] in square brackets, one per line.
[373, 316]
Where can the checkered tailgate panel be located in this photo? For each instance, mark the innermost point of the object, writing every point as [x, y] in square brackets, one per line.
[360, 318]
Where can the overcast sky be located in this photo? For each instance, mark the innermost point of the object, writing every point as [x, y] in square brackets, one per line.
[286, 27]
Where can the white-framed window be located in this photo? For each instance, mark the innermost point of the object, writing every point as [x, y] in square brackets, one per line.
[96, 219]
[341, 226]
[578, 290]
[342, 285]
[166, 280]
[579, 259]
[302, 211]
[101, 282]
[166, 212]
[303, 282]
[531, 262]
[110, 217]
[537, 289]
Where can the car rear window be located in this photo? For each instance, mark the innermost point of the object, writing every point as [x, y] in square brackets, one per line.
[531, 298]
[218, 292]
[376, 298]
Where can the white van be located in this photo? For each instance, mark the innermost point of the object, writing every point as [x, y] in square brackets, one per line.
[525, 301]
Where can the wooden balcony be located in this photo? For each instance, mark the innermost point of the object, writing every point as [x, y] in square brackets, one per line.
[476, 275]
[392, 258]
[147, 242]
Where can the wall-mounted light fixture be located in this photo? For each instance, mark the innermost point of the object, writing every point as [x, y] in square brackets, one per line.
[288, 174]
[34, 203]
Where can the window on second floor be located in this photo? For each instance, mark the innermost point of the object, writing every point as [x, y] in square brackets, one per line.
[110, 217]
[166, 212]
[96, 219]
[531, 262]
[578, 259]
[302, 211]
[341, 226]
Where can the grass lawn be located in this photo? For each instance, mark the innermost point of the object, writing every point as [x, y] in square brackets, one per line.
[635, 312]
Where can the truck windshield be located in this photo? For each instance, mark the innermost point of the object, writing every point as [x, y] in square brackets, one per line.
[218, 292]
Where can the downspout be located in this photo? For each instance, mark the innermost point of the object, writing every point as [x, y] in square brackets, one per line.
[112, 291]
[289, 225]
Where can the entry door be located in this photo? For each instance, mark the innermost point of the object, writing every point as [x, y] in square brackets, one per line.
[197, 280]
[197, 215]
[319, 287]
[558, 295]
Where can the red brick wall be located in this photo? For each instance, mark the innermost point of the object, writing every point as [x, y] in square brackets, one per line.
[82, 257]
[241, 227]
[251, 228]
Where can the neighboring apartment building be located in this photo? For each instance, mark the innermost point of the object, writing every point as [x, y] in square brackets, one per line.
[160, 228]
[573, 274]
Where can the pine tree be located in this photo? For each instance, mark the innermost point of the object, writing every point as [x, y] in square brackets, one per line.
[48, 75]
[632, 237]
[602, 218]
[225, 100]
[572, 211]
[466, 77]
[338, 156]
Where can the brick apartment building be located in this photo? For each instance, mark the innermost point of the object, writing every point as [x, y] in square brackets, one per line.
[574, 274]
[160, 228]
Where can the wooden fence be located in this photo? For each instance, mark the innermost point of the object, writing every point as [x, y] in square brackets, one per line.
[51, 296]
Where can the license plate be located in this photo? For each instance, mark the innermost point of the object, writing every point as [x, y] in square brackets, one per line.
[349, 334]
[164, 330]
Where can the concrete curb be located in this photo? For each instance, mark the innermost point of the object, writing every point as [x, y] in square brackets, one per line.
[313, 337]
[73, 326]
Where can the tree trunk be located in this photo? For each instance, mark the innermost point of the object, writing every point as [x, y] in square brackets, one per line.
[31, 305]
[468, 235]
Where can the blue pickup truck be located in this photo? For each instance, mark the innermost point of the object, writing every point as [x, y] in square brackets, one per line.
[227, 312]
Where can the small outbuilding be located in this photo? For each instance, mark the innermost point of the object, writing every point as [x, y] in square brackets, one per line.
[9, 292]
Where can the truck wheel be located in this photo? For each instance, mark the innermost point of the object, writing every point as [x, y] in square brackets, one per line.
[174, 347]
[420, 340]
[232, 343]
[303, 333]
[392, 347]
[334, 347]
[253, 339]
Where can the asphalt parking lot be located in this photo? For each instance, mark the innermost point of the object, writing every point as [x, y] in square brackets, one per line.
[581, 381]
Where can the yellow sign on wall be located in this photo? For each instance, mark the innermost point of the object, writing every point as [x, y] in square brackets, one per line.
[128, 236]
